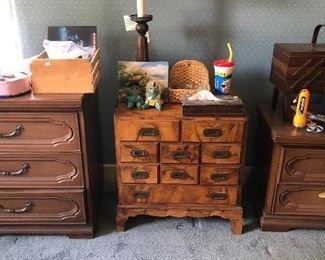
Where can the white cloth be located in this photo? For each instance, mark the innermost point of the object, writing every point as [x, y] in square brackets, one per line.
[66, 50]
[204, 95]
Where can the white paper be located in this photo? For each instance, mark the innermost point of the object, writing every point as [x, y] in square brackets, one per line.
[67, 50]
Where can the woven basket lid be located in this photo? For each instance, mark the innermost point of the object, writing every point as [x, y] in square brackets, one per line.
[190, 74]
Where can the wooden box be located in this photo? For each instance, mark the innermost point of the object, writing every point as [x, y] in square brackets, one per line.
[296, 66]
[65, 75]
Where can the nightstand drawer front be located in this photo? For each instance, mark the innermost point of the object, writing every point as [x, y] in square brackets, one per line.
[303, 165]
[211, 175]
[42, 207]
[179, 174]
[178, 194]
[138, 174]
[300, 200]
[212, 131]
[139, 152]
[148, 130]
[41, 171]
[44, 131]
[221, 153]
[179, 153]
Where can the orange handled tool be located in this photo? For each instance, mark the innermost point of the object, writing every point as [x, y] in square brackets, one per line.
[300, 117]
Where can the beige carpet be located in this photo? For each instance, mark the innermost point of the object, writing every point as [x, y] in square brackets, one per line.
[169, 238]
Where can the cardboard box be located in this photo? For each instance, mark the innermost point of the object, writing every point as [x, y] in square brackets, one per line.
[65, 75]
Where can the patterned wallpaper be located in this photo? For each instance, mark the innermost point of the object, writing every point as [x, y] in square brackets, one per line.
[181, 29]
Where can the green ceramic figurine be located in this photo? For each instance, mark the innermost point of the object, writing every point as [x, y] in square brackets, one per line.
[153, 96]
[134, 98]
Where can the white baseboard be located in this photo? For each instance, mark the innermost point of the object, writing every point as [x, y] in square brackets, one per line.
[109, 171]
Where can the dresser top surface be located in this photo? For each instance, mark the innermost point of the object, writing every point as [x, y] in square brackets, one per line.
[169, 111]
[41, 102]
[285, 132]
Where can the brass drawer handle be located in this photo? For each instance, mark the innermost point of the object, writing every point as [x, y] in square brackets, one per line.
[16, 132]
[26, 209]
[140, 175]
[212, 132]
[149, 132]
[218, 196]
[321, 195]
[139, 153]
[179, 175]
[140, 195]
[22, 170]
[181, 155]
[219, 177]
[221, 154]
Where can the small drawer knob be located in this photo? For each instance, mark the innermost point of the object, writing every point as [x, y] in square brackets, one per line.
[149, 132]
[141, 195]
[139, 153]
[219, 196]
[219, 177]
[140, 175]
[212, 132]
[221, 154]
[179, 175]
[177, 155]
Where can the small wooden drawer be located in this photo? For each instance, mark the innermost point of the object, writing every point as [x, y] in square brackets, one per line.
[138, 173]
[179, 174]
[220, 153]
[41, 171]
[146, 130]
[300, 200]
[303, 165]
[212, 175]
[42, 207]
[179, 153]
[178, 194]
[138, 152]
[212, 131]
[39, 131]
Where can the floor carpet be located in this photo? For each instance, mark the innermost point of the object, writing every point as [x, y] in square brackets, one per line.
[169, 238]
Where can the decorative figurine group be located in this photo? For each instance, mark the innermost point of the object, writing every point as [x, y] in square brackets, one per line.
[152, 96]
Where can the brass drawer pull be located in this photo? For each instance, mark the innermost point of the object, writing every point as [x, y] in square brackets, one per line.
[321, 195]
[219, 177]
[212, 132]
[140, 175]
[26, 209]
[22, 170]
[139, 153]
[149, 132]
[16, 132]
[218, 196]
[140, 195]
[179, 175]
[221, 154]
[181, 155]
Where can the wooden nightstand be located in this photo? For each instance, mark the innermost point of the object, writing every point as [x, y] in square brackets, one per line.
[50, 164]
[289, 179]
[171, 165]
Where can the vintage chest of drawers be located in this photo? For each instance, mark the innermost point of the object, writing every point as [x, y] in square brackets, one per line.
[49, 164]
[170, 165]
[289, 179]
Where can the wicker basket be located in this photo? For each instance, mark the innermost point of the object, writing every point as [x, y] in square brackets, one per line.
[187, 77]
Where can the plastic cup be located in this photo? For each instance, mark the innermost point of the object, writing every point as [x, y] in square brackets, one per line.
[222, 76]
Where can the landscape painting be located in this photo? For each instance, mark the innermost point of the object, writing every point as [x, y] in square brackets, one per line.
[134, 77]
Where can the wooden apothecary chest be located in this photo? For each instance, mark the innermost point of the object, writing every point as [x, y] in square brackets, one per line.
[171, 165]
[49, 164]
[289, 178]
